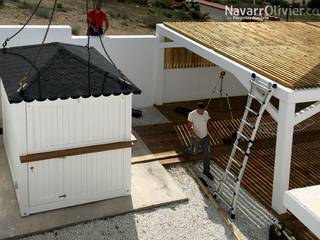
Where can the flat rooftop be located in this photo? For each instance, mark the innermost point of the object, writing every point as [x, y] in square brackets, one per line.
[285, 52]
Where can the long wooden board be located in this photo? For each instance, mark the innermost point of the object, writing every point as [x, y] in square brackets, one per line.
[75, 151]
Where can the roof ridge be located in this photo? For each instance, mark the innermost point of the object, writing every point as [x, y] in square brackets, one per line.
[85, 61]
[44, 68]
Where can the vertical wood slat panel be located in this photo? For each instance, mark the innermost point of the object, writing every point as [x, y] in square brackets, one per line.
[75, 123]
[96, 175]
[82, 178]
[183, 58]
[45, 181]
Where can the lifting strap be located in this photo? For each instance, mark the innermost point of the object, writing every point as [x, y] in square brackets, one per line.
[122, 78]
[88, 49]
[24, 81]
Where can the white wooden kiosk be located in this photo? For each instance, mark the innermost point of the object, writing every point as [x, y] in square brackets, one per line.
[66, 143]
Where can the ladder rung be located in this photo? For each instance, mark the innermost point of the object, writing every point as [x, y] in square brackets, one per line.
[236, 162]
[232, 175]
[239, 149]
[228, 203]
[229, 187]
[260, 85]
[256, 98]
[248, 124]
[243, 136]
[252, 111]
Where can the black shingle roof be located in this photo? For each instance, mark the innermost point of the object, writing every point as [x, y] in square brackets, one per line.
[61, 71]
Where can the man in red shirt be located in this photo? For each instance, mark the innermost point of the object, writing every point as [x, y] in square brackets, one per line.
[97, 21]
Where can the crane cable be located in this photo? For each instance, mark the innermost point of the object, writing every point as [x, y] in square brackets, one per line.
[88, 49]
[24, 81]
[122, 77]
[5, 43]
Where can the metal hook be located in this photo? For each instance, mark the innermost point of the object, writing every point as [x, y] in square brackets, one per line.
[5, 43]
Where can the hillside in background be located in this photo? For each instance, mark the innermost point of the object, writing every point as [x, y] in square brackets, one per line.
[125, 16]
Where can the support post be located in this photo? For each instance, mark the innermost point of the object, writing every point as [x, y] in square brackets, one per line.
[159, 70]
[282, 164]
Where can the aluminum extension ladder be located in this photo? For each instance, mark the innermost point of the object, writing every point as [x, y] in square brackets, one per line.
[260, 91]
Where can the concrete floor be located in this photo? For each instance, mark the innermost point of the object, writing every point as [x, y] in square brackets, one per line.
[150, 115]
[152, 186]
[139, 148]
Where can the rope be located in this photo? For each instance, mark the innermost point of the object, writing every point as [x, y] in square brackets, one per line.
[122, 76]
[214, 90]
[24, 81]
[5, 43]
[89, 55]
[107, 54]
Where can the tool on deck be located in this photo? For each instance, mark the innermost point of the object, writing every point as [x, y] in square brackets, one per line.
[260, 91]
[221, 93]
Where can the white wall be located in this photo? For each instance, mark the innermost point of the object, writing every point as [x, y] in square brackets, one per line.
[198, 83]
[134, 55]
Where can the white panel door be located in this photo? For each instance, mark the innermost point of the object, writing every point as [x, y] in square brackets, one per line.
[46, 181]
[96, 176]
[105, 176]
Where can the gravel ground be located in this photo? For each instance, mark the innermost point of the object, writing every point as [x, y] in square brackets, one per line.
[193, 220]
[252, 219]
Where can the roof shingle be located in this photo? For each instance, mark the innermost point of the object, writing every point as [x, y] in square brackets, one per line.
[61, 71]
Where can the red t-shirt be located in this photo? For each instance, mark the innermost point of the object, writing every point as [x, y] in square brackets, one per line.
[97, 19]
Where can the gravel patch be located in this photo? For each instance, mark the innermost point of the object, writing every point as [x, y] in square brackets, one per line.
[150, 115]
[195, 219]
[252, 219]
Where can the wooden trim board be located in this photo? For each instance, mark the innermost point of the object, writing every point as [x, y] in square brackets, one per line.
[75, 151]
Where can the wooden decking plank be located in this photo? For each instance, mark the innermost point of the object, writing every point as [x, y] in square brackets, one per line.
[258, 178]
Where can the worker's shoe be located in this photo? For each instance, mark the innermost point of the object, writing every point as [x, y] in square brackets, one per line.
[209, 175]
[186, 151]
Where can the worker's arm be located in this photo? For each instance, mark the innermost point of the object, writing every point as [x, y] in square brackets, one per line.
[209, 125]
[190, 129]
[106, 22]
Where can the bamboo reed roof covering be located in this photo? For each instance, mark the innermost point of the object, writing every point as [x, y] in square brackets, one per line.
[287, 53]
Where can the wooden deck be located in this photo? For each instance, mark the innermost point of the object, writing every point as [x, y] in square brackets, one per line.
[258, 177]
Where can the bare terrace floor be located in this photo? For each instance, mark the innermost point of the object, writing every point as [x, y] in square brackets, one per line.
[169, 137]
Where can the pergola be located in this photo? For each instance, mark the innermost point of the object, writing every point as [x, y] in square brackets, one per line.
[284, 53]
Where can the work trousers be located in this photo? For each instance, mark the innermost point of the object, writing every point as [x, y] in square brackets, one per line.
[204, 142]
[91, 32]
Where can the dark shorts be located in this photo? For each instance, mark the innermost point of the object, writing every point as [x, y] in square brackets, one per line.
[91, 32]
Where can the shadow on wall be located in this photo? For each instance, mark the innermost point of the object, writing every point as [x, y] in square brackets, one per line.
[199, 83]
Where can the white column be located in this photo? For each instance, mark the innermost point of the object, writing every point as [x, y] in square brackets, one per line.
[282, 164]
[159, 70]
